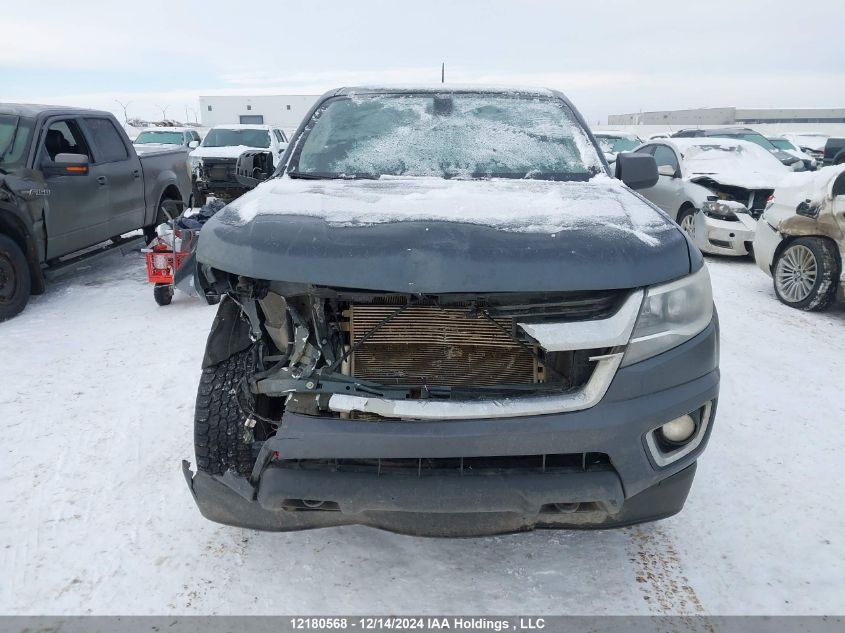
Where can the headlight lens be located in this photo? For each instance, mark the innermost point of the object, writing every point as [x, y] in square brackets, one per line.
[723, 209]
[671, 314]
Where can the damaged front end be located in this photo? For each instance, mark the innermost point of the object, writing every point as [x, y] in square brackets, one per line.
[728, 219]
[444, 414]
[365, 355]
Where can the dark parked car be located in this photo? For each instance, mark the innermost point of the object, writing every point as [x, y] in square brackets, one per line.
[443, 316]
[70, 179]
[745, 134]
[834, 151]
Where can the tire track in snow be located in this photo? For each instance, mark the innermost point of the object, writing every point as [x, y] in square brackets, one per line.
[659, 573]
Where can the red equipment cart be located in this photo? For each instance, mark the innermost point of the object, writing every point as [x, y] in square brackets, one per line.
[164, 258]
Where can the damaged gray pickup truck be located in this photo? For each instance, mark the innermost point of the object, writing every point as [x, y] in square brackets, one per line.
[443, 316]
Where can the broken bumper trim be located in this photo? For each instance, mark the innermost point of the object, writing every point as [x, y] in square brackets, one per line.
[579, 400]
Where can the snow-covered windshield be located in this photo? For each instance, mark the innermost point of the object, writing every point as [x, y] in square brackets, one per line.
[15, 133]
[165, 137]
[447, 136]
[616, 144]
[250, 137]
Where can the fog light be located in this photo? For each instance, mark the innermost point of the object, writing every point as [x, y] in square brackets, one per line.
[678, 430]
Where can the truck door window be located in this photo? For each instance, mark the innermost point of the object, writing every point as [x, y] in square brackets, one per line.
[64, 137]
[107, 140]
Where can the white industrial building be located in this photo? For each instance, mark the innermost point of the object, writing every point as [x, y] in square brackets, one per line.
[731, 116]
[285, 111]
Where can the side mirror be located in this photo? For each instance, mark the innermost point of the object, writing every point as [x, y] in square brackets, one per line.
[194, 144]
[67, 165]
[638, 171]
[666, 170]
[254, 167]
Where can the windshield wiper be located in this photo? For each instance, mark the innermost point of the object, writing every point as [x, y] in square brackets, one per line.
[11, 141]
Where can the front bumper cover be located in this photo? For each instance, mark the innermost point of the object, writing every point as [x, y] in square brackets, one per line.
[632, 489]
[724, 237]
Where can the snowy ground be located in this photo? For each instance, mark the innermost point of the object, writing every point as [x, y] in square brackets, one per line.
[96, 395]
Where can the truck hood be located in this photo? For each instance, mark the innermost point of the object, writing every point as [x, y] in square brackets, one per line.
[233, 151]
[429, 235]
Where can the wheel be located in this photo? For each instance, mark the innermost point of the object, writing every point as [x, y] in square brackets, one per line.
[15, 282]
[219, 422]
[805, 273]
[161, 217]
[163, 294]
[686, 220]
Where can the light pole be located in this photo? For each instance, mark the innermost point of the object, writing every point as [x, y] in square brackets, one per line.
[163, 111]
[125, 107]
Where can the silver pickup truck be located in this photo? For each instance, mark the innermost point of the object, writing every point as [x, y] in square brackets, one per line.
[71, 179]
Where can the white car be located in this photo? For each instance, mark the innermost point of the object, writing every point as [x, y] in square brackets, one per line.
[213, 162]
[800, 242]
[714, 188]
[811, 143]
[614, 141]
[784, 144]
[230, 141]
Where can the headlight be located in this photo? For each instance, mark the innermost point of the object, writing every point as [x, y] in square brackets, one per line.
[671, 314]
[196, 162]
[723, 209]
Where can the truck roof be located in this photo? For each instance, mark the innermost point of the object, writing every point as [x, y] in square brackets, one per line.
[443, 88]
[36, 109]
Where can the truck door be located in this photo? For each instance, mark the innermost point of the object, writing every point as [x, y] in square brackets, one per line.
[121, 169]
[77, 208]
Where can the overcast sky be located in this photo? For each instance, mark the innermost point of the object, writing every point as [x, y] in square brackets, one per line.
[608, 56]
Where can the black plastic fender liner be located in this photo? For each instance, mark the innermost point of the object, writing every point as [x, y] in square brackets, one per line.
[230, 333]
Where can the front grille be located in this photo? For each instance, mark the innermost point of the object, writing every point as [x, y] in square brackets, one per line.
[458, 466]
[435, 346]
[220, 169]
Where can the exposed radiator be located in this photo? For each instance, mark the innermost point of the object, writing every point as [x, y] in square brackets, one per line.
[434, 346]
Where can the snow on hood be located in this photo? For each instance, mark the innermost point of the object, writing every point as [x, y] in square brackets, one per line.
[812, 186]
[231, 151]
[509, 205]
[730, 162]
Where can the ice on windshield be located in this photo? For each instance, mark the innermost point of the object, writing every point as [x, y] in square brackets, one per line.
[454, 136]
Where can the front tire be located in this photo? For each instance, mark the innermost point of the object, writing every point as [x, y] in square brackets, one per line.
[686, 220]
[219, 422]
[805, 273]
[15, 280]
